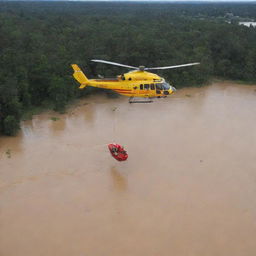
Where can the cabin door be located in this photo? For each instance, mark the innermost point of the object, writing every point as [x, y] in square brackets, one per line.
[136, 90]
[153, 89]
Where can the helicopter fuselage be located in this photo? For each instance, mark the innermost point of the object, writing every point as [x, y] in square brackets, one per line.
[133, 84]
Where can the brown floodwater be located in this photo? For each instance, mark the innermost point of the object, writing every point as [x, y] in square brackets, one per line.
[188, 187]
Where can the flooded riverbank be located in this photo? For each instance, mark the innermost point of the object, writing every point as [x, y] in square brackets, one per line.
[187, 188]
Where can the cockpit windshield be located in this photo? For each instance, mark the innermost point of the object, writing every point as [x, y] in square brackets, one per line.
[166, 86]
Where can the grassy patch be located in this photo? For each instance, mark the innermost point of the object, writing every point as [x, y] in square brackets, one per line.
[8, 153]
[245, 82]
[55, 118]
[28, 113]
[220, 79]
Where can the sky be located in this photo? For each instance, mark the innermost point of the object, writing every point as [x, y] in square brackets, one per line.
[171, 0]
[251, 1]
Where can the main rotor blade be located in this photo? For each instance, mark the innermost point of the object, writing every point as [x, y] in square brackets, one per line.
[177, 66]
[114, 63]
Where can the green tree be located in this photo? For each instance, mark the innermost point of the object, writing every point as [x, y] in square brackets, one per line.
[10, 125]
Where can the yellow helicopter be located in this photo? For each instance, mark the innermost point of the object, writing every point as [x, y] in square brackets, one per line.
[137, 83]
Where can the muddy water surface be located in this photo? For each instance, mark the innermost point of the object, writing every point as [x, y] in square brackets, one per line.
[187, 188]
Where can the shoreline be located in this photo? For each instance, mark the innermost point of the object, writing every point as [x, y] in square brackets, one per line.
[55, 115]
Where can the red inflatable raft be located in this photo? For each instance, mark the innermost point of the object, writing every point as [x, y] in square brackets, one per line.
[118, 152]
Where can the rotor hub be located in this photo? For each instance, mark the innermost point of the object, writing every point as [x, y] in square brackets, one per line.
[141, 68]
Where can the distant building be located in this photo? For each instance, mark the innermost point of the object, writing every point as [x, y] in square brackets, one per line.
[247, 23]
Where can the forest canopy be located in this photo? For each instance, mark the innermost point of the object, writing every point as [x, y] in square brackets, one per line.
[39, 41]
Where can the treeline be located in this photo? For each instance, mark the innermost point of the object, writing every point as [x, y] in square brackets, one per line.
[39, 41]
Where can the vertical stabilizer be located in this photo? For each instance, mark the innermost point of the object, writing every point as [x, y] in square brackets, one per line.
[80, 76]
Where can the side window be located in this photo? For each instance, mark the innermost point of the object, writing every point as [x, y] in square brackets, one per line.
[159, 86]
[141, 86]
[146, 86]
[152, 87]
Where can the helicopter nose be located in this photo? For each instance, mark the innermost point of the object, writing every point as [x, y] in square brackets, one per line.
[172, 89]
